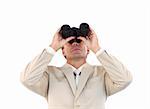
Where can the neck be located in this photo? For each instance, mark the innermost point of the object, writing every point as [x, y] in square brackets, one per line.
[76, 63]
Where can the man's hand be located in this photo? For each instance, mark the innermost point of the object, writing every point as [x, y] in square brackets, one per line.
[91, 41]
[58, 41]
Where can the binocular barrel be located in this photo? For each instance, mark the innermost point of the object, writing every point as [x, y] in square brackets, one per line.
[83, 31]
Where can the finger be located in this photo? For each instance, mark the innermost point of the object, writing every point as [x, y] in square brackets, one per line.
[57, 33]
[88, 37]
[58, 30]
[69, 38]
[82, 38]
[92, 31]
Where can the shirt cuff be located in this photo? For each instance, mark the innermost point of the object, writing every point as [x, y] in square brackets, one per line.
[50, 50]
[99, 52]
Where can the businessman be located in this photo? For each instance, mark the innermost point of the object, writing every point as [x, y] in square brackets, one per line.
[77, 84]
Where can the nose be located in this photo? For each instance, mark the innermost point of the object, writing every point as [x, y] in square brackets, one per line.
[75, 44]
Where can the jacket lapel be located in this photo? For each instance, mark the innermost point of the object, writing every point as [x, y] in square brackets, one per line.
[68, 72]
[85, 74]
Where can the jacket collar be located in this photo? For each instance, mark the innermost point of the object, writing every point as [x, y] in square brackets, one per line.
[86, 71]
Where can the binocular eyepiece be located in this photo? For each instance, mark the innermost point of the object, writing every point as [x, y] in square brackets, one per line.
[83, 31]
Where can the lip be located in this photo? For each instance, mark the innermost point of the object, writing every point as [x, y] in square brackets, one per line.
[75, 49]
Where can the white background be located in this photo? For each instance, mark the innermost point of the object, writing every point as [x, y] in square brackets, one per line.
[28, 26]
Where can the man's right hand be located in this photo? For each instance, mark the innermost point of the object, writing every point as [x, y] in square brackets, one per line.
[58, 42]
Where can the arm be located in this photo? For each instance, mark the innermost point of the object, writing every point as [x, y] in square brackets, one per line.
[116, 75]
[35, 76]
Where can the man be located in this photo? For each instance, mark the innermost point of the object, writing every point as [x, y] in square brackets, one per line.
[77, 84]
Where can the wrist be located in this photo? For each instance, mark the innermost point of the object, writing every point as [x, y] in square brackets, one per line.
[54, 47]
[96, 49]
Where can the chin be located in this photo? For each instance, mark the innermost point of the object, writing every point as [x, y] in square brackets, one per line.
[78, 56]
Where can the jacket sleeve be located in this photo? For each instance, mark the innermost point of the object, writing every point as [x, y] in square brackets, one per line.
[116, 75]
[35, 76]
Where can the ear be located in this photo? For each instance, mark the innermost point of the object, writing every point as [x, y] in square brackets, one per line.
[88, 50]
[63, 51]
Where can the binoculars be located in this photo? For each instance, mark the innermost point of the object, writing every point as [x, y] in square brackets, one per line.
[83, 31]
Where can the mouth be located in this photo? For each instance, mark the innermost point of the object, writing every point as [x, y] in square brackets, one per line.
[75, 49]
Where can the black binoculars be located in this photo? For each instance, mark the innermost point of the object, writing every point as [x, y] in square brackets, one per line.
[83, 31]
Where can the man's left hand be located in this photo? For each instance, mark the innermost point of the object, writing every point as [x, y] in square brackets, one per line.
[91, 41]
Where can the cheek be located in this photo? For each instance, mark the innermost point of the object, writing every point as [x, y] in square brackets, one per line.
[85, 51]
[67, 50]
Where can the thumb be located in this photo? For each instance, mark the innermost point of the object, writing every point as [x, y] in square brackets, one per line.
[69, 38]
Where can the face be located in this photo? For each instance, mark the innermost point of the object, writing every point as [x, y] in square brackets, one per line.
[75, 50]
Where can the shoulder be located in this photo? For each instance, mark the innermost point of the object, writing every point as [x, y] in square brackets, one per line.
[98, 70]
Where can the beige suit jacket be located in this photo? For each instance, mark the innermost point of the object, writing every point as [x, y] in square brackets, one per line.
[58, 86]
